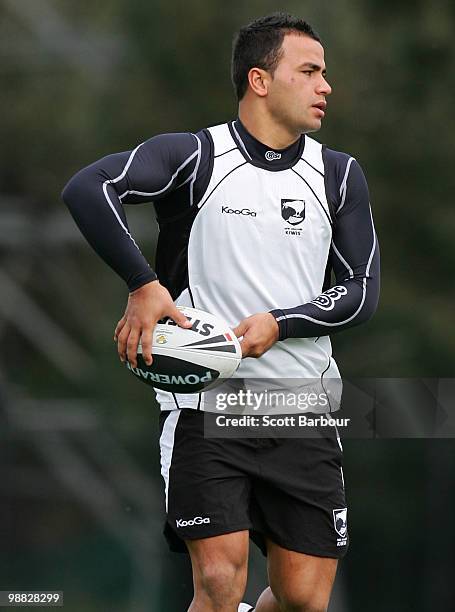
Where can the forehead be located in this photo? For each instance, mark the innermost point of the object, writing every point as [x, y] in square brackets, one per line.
[300, 49]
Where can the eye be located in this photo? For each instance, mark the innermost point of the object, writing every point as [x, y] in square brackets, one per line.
[307, 71]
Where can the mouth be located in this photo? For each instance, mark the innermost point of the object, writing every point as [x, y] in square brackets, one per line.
[320, 107]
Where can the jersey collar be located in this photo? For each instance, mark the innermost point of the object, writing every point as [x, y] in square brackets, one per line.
[260, 154]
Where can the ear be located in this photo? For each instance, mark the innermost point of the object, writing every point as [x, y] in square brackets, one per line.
[259, 80]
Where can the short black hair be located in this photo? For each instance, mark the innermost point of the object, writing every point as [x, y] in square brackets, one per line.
[258, 45]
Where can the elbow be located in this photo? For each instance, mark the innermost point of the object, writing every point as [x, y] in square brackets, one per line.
[66, 193]
[366, 314]
[370, 305]
[70, 191]
[78, 188]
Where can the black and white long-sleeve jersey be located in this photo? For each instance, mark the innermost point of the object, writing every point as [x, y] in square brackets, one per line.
[243, 229]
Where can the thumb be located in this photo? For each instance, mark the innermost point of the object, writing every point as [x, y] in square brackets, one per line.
[179, 318]
[241, 329]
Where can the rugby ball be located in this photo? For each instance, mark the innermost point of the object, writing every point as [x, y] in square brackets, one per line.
[190, 360]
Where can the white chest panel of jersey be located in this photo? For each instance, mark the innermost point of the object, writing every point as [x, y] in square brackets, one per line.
[260, 241]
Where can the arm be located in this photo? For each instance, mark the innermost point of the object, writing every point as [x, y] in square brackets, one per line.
[355, 260]
[95, 197]
[354, 298]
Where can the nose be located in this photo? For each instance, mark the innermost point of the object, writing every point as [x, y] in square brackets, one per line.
[324, 87]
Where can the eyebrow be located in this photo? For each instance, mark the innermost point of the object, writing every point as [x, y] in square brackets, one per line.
[312, 67]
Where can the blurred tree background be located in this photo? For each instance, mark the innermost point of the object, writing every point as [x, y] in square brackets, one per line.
[81, 497]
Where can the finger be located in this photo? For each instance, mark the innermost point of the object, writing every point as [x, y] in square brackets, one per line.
[241, 329]
[119, 327]
[131, 347]
[251, 345]
[245, 346]
[146, 342]
[121, 342]
[179, 318]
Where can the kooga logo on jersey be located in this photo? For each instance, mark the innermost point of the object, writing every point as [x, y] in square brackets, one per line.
[243, 211]
[198, 520]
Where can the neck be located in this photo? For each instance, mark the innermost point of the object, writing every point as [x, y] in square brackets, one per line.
[265, 128]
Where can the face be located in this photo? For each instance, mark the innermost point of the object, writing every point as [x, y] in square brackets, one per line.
[296, 95]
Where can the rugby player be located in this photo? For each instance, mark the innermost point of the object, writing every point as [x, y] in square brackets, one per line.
[254, 216]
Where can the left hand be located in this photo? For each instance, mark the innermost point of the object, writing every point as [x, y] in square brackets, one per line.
[260, 332]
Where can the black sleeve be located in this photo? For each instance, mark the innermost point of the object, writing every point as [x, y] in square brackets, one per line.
[355, 260]
[96, 194]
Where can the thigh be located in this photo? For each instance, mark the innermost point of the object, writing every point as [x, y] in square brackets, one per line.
[299, 502]
[300, 579]
[207, 493]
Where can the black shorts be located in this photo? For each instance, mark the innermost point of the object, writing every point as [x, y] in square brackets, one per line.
[290, 490]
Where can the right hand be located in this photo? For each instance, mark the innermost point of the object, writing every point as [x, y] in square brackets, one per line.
[145, 307]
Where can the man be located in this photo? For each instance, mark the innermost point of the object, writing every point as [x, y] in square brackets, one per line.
[254, 215]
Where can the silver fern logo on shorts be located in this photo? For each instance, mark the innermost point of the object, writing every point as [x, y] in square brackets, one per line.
[197, 520]
[340, 522]
[271, 155]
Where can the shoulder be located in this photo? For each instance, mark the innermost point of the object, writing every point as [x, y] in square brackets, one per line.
[173, 144]
[342, 170]
[183, 139]
[344, 179]
[337, 163]
[171, 152]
